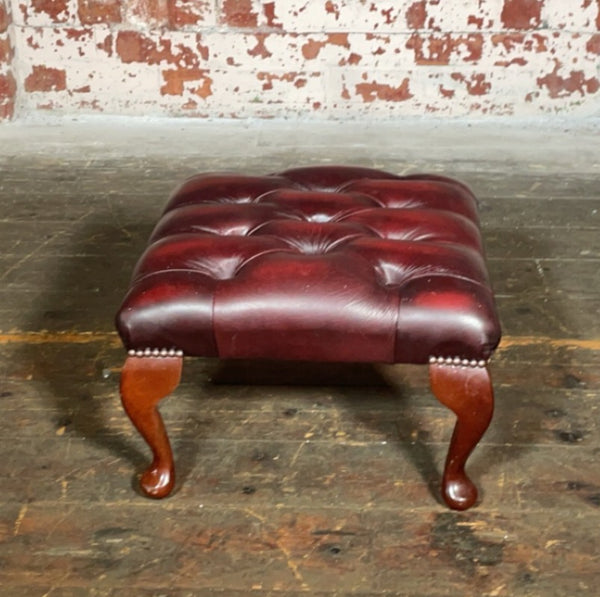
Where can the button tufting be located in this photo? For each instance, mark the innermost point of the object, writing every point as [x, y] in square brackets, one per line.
[310, 238]
[217, 257]
[326, 263]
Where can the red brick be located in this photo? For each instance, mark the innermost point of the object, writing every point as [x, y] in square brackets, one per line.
[238, 13]
[4, 18]
[333, 9]
[6, 51]
[260, 49]
[593, 45]
[133, 46]
[91, 12]
[175, 79]
[508, 40]
[576, 82]
[499, 62]
[57, 10]
[268, 78]
[312, 48]
[43, 78]
[372, 91]
[476, 84]
[439, 50]
[522, 14]
[448, 93]
[7, 110]
[270, 16]
[8, 87]
[475, 20]
[78, 34]
[187, 13]
[520, 42]
[106, 45]
[416, 15]
[149, 12]
[587, 3]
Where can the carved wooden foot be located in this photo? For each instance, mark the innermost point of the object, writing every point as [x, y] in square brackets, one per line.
[468, 392]
[144, 382]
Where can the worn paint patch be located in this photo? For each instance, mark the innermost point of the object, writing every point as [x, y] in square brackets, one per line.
[476, 20]
[587, 4]
[440, 50]
[239, 13]
[8, 83]
[416, 15]
[476, 84]
[260, 49]
[312, 48]
[175, 80]
[522, 14]
[519, 43]
[132, 47]
[576, 82]
[6, 51]
[147, 12]
[332, 8]
[366, 59]
[43, 78]
[4, 18]
[7, 110]
[270, 16]
[91, 12]
[8, 87]
[106, 45]
[189, 13]
[387, 93]
[57, 10]
[268, 79]
[593, 45]
[446, 93]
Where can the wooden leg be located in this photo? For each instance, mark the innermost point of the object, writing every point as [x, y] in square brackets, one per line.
[144, 382]
[468, 392]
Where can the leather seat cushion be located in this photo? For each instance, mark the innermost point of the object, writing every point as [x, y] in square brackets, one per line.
[318, 263]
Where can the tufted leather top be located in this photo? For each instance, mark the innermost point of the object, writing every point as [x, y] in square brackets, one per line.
[318, 263]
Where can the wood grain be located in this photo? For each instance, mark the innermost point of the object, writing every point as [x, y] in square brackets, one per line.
[293, 479]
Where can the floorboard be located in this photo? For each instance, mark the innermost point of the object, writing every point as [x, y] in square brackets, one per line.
[293, 479]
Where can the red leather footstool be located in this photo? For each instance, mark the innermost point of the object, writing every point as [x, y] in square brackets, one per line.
[318, 264]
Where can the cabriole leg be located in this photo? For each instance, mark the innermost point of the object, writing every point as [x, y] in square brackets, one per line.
[468, 392]
[144, 382]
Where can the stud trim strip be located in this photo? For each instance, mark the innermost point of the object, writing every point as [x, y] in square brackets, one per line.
[155, 352]
[457, 361]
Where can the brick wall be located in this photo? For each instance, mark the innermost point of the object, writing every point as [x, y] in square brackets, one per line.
[8, 85]
[291, 58]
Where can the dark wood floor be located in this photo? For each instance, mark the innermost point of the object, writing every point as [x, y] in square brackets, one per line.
[294, 479]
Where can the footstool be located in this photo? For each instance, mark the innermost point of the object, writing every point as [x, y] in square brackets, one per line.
[340, 264]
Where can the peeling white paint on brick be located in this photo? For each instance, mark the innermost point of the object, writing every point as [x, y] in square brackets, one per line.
[290, 58]
[8, 84]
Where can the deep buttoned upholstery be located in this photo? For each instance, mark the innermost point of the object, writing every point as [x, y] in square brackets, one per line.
[318, 263]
